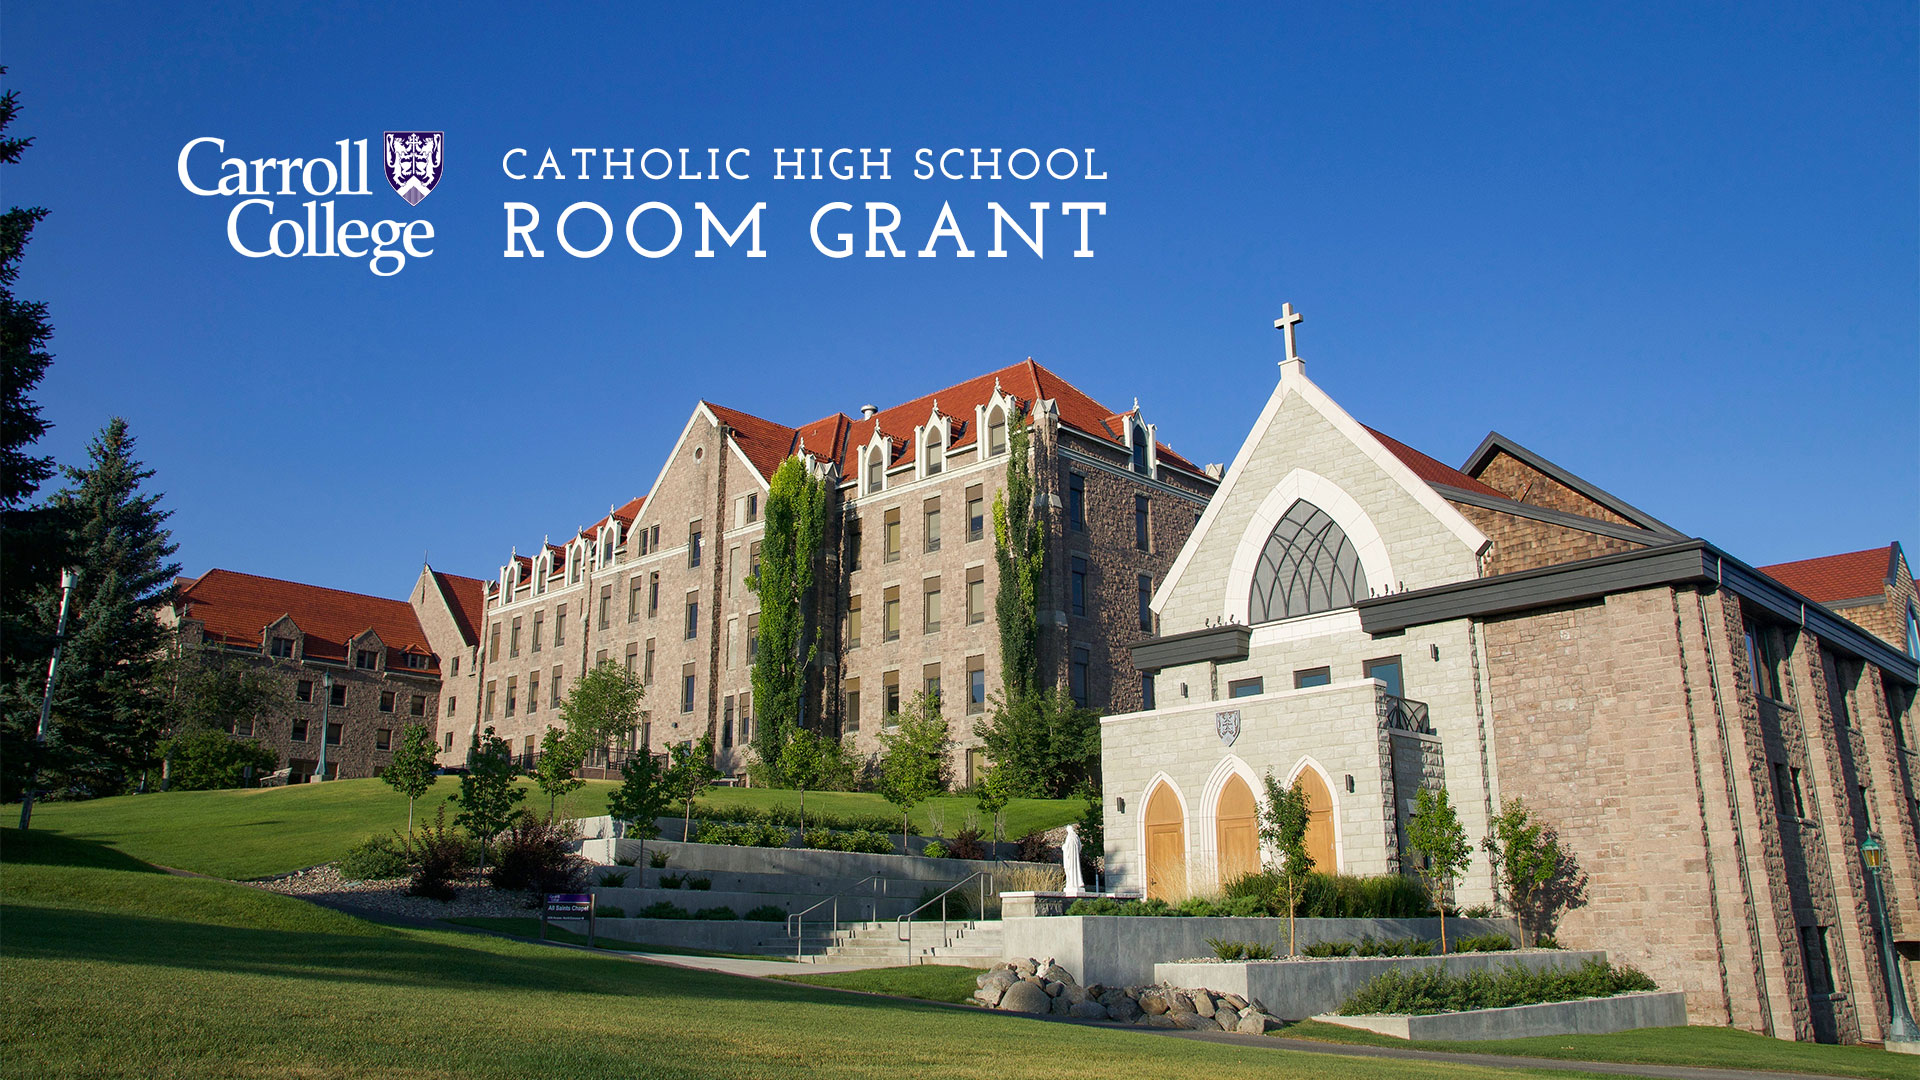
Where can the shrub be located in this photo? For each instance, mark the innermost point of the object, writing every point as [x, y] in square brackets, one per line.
[1198, 907]
[1328, 948]
[657, 860]
[820, 839]
[611, 911]
[1478, 911]
[536, 854]
[622, 860]
[1347, 896]
[671, 881]
[437, 852]
[1105, 905]
[869, 842]
[1031, 879]
[1545, 941]
[767, 913]
[1240, 950]
[1482, 943]
[966, 844]
[959, 904]
[1034, 847]
[1258, 886]
[719, 913]
[664, 909]
[934, 850]
[700, 884]
[375, 858]
[1415, 993]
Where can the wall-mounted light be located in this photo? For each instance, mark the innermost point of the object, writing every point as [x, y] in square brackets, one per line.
[1183, 689]
[1349, 783]
[1436, 652]
[1120, 803]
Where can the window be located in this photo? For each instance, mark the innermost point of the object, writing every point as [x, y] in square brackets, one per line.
[553, 687]
[653, 593]
[337, 696]
[1813, 945]
[876, 469]
[645, 545]
[539, 617]
[1146, 691]
[889, 696]
[533, 692]
[606, 606]
[930, 683]
[527, 750]
[386, 701]
[334, 729]
[753, 637]
[493, 643]
[1139, 449]
[599, 657]
[1913, 632]
[1793, 802]
[746, 717]
[853, 622]
[606, 549]
[281, 647]
[1306, 677]
[456, 667]
[633, 658]
[303, 690]
[930, 593]
[1141, 534]
[693, 545]
[753, 507]
[851, 714]
[560, 626]
[383, 739]
[726, 724]
[1843, 676]
[890, 615]
[1077, 675]
[490, 695]
[419, 661]
[931, 517]
[890, 536]
[853, 545]
[753, 560]
[976, 513]
[976, 595]
[1247, 687]
[365, 659]
[1145, 596]
[655, 534]
[686, 688]
[646, 666]
[1076, 501]
[299, 729]
[693, 617]
[1078, 578]
[1387, 670]
[1763, 655]
[449, 741]
[635, 590]
[513, 694]
[996, 432]
[976, 684]
[513, 640]
[452, 705]
[1307, 566]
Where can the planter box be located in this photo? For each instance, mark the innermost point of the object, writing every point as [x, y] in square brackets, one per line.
[1121, 950]
[1586, 1016]
[1296, 989]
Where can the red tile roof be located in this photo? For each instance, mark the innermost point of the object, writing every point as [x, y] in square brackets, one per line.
[1832, 578]
[236, 608]
[467, 598]
[1433, 472]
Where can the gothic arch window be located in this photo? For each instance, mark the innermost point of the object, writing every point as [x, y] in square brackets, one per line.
[876, 469]
[1308, 565]
[996, 431]
[936, 449]
[1139, 449]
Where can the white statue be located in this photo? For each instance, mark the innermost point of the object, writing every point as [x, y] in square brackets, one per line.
[1070, 860]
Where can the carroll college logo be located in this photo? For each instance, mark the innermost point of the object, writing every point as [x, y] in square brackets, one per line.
[414, 162]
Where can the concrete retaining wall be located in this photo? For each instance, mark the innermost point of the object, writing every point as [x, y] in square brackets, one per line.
[1295, 989]
[724, 858]
[732, 936]
[864, 907]
[1121, 950]
[1589, 1016]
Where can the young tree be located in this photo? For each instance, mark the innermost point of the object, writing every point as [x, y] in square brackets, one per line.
[1019, 550]
[603, 707]
[1043, 744]
[411, 771]
[641, 798]
[1283, 828]
[561, 753]
[809, 761]
[1435, 834]
[992, 799]
[913, 757]
[207, 759]
[488, 793]
[691, 774]
[1527, 861]
[796, 523]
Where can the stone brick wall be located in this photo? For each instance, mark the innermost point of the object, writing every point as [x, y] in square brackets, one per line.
[1886, 618]
[1521, 543]
[1523, 483]
[458, 709]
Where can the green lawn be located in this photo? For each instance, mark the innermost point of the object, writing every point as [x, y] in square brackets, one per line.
[1704, 1047]
[951, 811]
[929, 982]
[529, 927]
[259, 832]
[115, 972]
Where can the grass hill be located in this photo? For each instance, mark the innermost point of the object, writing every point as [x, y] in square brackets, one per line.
[259, 832]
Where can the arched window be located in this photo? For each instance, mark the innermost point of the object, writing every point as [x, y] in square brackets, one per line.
[936, 450]
[1308, 565]
[996, 432]
[876, 469]
[1139, 449]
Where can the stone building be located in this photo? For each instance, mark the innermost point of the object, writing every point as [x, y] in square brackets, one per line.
[1712, 742]
[908, 575]
[355, 669]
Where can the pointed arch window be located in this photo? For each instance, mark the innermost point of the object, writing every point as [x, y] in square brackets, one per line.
[1139, 449]
[876, 469]
[996, 432]
[936, 450]
[1308, 565]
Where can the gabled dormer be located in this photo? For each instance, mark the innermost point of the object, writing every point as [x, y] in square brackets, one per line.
[576, 556]
[542, 569]
[282, 639]
[1142, 442]
[874, 459]
[932, 439]
[366, 652]
[607, 542]
[995, 418]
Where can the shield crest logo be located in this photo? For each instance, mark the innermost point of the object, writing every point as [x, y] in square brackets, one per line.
[414, 162]
[1227, 723]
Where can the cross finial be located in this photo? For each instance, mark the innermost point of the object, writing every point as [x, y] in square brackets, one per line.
[1288, 319]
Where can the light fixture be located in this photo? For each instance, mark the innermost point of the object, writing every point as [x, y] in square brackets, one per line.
[1349, 783]
[1872, 852]
[1120, 803]
[1436, 652]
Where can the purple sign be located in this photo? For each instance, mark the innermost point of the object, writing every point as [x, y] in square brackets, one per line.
[569, 905]
[414, 162]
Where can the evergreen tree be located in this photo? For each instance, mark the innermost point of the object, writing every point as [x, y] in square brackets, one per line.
[1043, 744]
[796, 522]
[913, 758]
[108, 713]
[411, 771]
[1019, 549]
[24, 333]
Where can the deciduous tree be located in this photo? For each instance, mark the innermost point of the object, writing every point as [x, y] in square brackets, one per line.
[1019, 550]
[1283, 829]
[796, 522]
[913, 757]
[410, 772]
[1043, 744]
[641, 798]
[1435, 834]
[561, 753]
[488, 794]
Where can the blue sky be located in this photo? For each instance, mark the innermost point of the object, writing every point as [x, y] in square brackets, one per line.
[1671, 246]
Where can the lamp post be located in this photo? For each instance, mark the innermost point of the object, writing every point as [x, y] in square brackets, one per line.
[1902, 1036]
[326, 700]
[67, 579]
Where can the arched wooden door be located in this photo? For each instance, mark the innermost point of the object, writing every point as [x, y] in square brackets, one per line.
[1319, 822]
[1236, 830]
[1166, 845]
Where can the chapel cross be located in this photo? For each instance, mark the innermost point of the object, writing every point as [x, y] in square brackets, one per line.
[1288, 319]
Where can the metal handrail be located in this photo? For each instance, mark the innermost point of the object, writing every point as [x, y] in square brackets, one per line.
[903, 926]
[797, 922]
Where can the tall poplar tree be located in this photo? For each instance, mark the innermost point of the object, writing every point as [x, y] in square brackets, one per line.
[796, 523]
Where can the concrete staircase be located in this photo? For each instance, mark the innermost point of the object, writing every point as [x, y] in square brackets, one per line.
[974, 943]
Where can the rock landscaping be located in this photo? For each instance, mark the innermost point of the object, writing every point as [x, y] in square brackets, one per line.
[1043, 988]
[473, 896]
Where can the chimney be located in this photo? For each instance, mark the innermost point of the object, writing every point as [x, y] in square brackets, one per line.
[868, 412]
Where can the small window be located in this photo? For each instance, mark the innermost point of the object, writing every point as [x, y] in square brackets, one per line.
[490, 696]
[633, 657]
[693, 618]
[303, 690]
[930, 592]
[635, 590]
[693, 546]
[365, 659]
[853, 622]
[560, 626]
[976, 595]
[533, 692]
[653, 593]
[890, 615]
[513, 694]
[753, 507]
[853, 545]
[1813, 943]
[876, 469]
[1145, 592]
[1139, 449]
[930, 683]
[493, 643]
[553, 685]
[299, 729]
[726, 724]
[338, 695]
[334, 730]
[1387, 671]
[889, 696]
[890, 536]
[513, 640]
[1078, 579]
[1146, 691]
[383, 739]
[539, 621]
[452, 703]
[1141, 517]
[282, 647]
[1312, 677]
[646, 666]
[931, 518]
[606, 606]
[1076, 501]
[1763, 655]
[976, 513]
[1077, 675]
[386, 701]
[448, 744]
[753, 637]
[1247, 687]
[686, 688]
[996, 432]
[976, 684]
[421, 661]
[455, 667]
[850, 720]
[936, 451]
